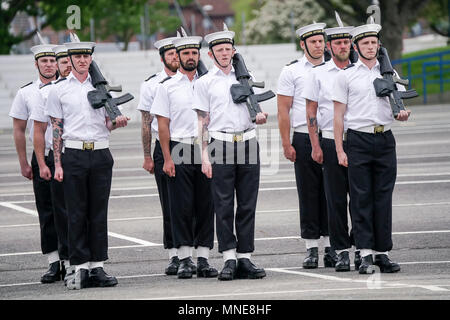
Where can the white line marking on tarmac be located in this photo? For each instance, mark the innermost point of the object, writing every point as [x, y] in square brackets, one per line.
[375, 285]
[112, 234]
[284, 270]
[132, 239]
[19, 208]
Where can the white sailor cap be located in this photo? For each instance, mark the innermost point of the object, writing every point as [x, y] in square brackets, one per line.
[225, 36]
[60, 51]
[43, 50]
[338, 33]
[193, 42]
[367, 30]
[78, 47]
[164, 44]
[311, 30]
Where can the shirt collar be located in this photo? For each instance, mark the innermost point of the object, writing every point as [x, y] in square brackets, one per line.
[179, 75]
[72, 77]
[331, 65]
[360, 64]
[304, 61]
[215, 69]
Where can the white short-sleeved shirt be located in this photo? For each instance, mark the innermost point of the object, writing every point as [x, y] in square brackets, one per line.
[38, 113]
[173, 100]
[354, 87]
[319, 88]
[212, 94]
[68, 100]
[23, 103]
[147, 95]
[291, 82]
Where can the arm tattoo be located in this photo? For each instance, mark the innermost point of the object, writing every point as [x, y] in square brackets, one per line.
[313, 123]
[58, 126]
[146, 132]
[203, 118]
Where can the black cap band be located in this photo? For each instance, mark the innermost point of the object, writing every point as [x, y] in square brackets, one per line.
[339, 36]
[365, 35]
[166, 48]
[220, 41]
[62, 54]
[79, 51]
[44, 54]
[189, 46]
[312, 33]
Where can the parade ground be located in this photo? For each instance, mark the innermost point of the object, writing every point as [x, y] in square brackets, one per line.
[421, 228]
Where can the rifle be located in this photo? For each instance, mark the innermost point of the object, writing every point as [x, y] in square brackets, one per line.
[201, 68]
[100, 97]
[387, 87]
[243, 91]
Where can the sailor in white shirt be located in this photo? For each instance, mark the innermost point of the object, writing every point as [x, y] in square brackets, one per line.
[84, 166]
[24, 103]
[232, 160]
[149, 127]
[370, 156]
[308, 173]
[43, 145]
[191, 206]
[318, 93]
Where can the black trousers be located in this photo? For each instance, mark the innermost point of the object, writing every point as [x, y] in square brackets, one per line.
[372, 172]
[310, 189]
[335, 180]
[87, 185]
[191, 206]
[238, 171]
[43, 198]
[162, 184]
[59, 210]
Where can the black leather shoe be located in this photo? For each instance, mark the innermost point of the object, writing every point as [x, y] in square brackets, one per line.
[53, 273]
[247, 270]
[229, 270]
[99, 278]
[343, 263]
[312, 259]
[185, 270]
[172, 268]
[367, 266]
[386, 265]
[192, 266]
[358, 260]
[79, 281]
[204, 270]
[330, 258]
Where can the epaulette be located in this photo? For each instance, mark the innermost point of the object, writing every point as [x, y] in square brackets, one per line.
[166, 79]
[292, 62]
[62, 79]
[26, 85]
[152, 76]
[349, 66]
[46, 85]
[319, 65]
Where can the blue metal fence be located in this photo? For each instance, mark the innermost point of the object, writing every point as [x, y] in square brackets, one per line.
[425, 73]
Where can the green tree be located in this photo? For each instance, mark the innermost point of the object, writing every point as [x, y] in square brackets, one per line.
[396, 15]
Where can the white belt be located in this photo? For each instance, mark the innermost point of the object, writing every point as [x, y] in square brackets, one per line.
[374, 129]
[233, 137]
[86, 145]
[190, 140]
[301, 129]
[46, 152]
[330, 135]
